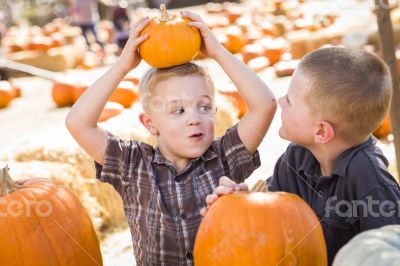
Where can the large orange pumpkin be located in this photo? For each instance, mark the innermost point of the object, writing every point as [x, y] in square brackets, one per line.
[171, 41]
[258, 229]
[42, 223]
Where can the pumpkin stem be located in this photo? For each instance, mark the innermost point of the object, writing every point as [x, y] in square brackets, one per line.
[164, 14]
[6, 183]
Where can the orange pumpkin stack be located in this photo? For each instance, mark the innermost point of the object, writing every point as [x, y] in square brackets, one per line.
[171, 41]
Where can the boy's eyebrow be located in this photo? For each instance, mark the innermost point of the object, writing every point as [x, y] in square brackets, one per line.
[207, 96]
[174, 101]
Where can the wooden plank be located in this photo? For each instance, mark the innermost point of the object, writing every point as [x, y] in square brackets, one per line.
[388, 50]
[35, 71]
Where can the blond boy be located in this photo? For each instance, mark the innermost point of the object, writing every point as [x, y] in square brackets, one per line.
[336, 98]
[164, 188]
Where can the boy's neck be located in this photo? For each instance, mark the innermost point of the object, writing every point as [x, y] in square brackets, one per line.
[327, 154]
[179, 162]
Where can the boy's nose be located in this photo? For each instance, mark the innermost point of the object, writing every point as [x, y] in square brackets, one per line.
[193, 120]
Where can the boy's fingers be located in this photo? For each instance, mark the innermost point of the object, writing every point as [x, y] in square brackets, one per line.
[200, 25]
[203, 211]
[211, 198]
[135, 24]
[242, 187]
[192, 16]
[138, 29]
[140, 39]
[226, 181]
[223, 190]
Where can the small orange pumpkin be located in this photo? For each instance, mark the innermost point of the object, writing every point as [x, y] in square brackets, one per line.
[236, 40]
[258, 229]
[171, 41]
[126, 94]
[234, 96]
[274, 49]
[251, 51]
[15, 89]
[62, 94]
[133, 77]
[111, 109]
[6, 93]
[77, 91]
[384, 128]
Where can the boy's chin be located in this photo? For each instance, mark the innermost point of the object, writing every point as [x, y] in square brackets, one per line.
[282, 134]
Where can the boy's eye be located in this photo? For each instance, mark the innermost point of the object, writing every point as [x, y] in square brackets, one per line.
[205, 108]
[177, 111]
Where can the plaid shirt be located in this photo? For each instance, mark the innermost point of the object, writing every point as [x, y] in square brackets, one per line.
[162, 206]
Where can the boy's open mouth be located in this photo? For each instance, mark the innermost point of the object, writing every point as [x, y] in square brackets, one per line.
[196, 135]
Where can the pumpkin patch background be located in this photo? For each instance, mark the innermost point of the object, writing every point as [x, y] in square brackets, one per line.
[269, 36]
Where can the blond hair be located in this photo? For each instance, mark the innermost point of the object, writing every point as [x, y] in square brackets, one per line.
[350, 87]
[155, 75]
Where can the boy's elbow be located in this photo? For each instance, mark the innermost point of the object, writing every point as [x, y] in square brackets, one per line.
[270, 108]
[71, 124]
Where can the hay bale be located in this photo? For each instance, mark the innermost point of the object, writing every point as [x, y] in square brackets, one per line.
[259, 186]
[72, 155]
[227, 114]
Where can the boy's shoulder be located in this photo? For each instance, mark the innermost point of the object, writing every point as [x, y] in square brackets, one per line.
[361, 165]
[366, 166]
[297, 156]
[127, 147]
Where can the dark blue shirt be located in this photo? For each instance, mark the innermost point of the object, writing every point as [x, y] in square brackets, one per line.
[359, 195]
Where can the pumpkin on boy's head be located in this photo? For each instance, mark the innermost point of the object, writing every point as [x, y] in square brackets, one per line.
[171, 41]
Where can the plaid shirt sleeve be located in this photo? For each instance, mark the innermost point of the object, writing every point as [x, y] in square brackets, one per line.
[238, 162]
[119, 157]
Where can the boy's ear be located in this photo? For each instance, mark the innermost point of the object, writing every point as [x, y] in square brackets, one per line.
[148, 123]
[324, 132]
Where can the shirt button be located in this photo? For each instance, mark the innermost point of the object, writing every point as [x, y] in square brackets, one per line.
[178, 179]
[189, 255]
[321, 193]
[183, 216]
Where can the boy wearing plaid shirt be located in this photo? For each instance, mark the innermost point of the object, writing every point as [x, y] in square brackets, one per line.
[164, 188]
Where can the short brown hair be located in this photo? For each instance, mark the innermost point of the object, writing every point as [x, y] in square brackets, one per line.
[351, 87]
[155, 75]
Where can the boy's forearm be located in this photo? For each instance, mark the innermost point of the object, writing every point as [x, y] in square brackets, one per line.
[86, 111]
[253, 90]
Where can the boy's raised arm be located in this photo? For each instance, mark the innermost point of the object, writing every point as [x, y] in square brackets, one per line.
[81, 121]
[260, 100]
